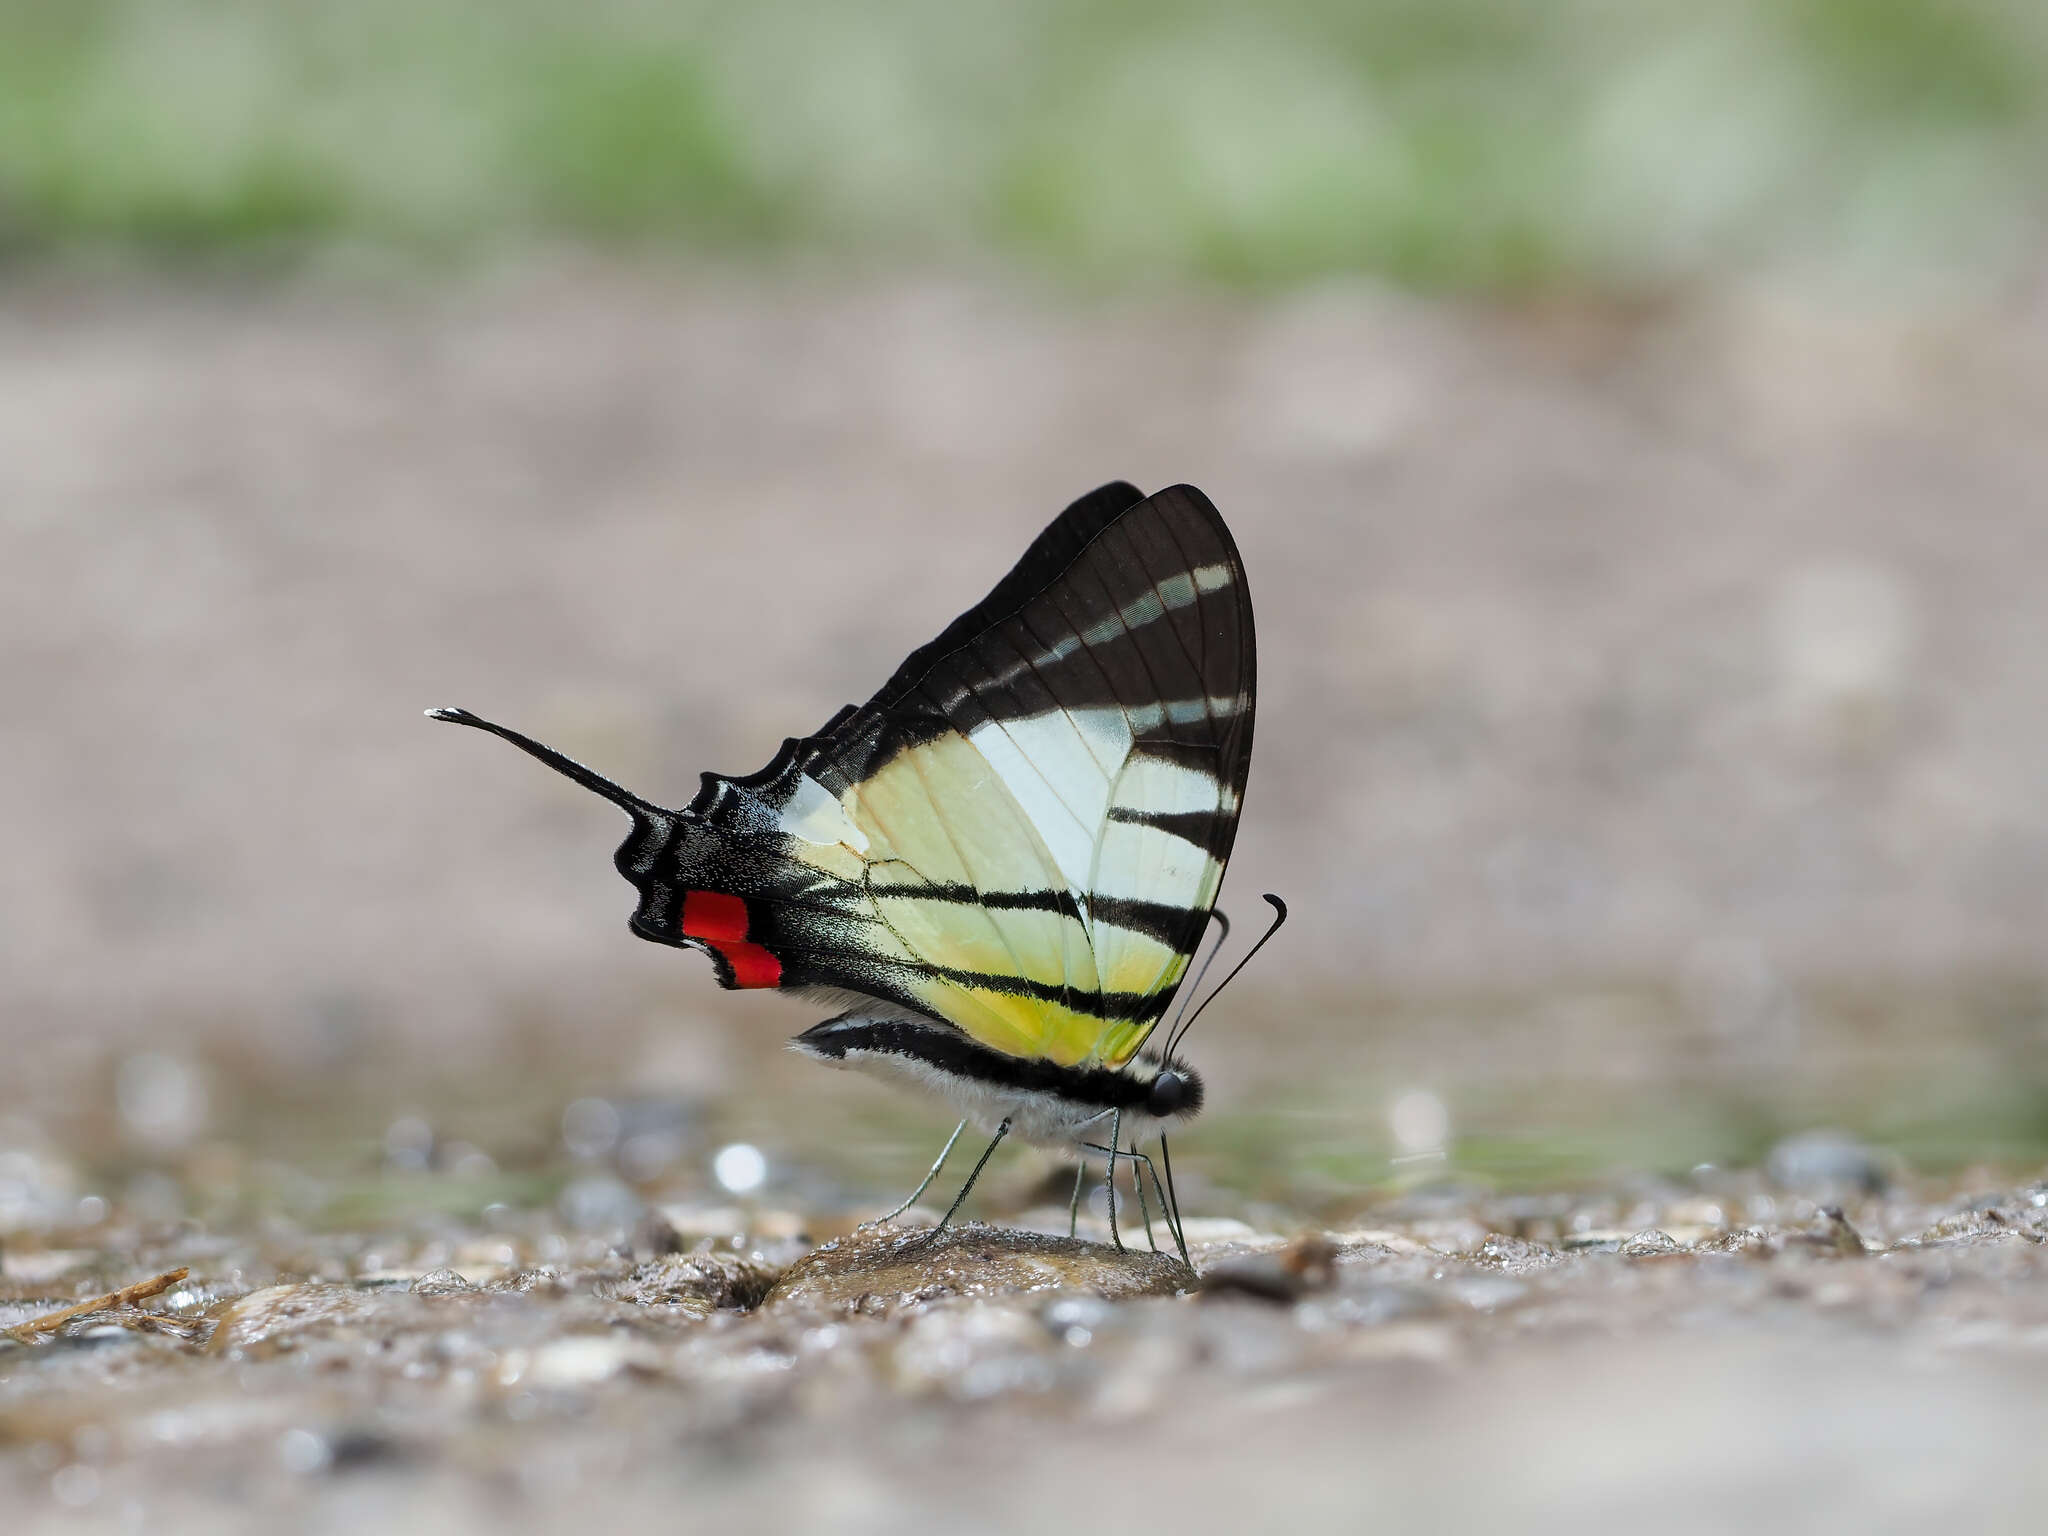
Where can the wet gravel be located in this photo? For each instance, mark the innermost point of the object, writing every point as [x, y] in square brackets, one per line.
[1675, 1351]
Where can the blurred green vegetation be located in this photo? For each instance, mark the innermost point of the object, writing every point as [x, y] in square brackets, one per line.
[1470, 144]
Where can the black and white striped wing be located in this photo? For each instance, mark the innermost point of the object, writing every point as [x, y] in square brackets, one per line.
[1024, 831]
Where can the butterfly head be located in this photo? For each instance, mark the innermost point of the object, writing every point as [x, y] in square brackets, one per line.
[1175, 1092]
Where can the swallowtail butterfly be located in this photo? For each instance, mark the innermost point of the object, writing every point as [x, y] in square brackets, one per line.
[1001, 864]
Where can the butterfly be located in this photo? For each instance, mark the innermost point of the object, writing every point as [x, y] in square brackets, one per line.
[1000, 867]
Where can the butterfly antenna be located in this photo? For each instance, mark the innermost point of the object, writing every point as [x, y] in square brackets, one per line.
[1170, 1196]
[623, 798]
[1188, 997]
[1279, 918]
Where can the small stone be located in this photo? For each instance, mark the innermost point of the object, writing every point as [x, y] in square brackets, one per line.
[706, 1281]
[1515, 1255]
[1304, 1266]
[1754, 1241]
[1831, 1233]
[440, 1282]
[1651, 1244]
[656, 1236]
[1257, 1275]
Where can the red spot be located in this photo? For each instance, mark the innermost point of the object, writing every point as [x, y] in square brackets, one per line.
[713, 915]
[752, 966]
[721, 922]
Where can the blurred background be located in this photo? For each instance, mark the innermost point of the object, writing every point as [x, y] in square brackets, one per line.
[1630, 412]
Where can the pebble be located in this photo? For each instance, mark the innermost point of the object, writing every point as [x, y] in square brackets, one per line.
[1304, 1266]
[704, 1281]
[441, 1282]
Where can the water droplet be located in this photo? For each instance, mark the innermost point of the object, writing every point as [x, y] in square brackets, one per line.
[599, 1203]
[740, 1167]
[75, 1486]
[467, 1162]
[162, 1100]
[1420, 1121]
[409, 1142]
[304, 1452]
[590, 1128]
[649, 1154]
[1846, 635]
[153, 1196]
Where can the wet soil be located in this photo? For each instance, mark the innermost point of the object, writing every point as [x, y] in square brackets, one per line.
[1679, 1355]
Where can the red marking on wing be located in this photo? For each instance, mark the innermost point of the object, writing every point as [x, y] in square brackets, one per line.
[721, 922]
[752, 966]
[713, 915]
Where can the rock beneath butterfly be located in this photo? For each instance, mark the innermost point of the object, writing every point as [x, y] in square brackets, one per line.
[881, 1269]
[700, 1282]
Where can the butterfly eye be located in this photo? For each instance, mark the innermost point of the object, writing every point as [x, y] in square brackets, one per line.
[1169, 1092]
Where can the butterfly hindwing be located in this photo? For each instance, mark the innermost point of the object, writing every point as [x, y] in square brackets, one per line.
[1023, 832]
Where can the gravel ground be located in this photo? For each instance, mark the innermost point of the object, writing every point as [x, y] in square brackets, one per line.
[1679, 1356]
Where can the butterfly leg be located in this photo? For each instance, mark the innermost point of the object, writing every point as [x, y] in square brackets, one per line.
[944, 1153]
[1169, 1199]
[1144, 1206]
[1116, 1125]
[1074, 1205]
[961, 1199]
[1171, 1216]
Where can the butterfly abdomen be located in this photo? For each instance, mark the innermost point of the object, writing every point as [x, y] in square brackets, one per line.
[1062, 1108]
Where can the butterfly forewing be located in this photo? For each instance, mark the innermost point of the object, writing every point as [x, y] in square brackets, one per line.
[1024, 831]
